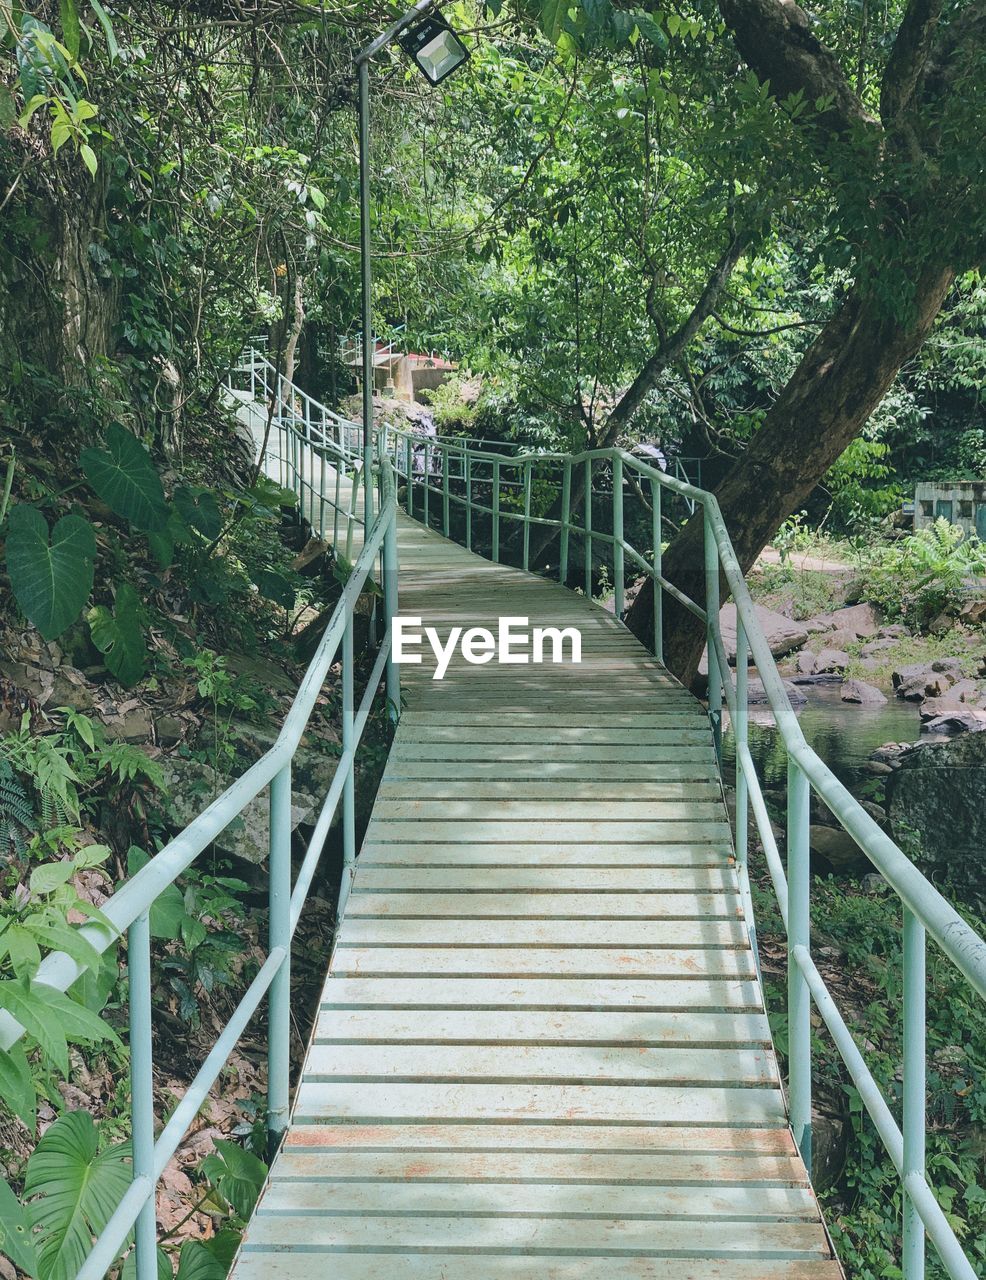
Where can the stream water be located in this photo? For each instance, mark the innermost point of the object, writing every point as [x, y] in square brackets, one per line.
[844, 734]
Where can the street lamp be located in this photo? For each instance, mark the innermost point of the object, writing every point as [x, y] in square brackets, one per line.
[428, 39]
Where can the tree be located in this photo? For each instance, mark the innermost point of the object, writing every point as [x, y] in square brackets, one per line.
[910, 195]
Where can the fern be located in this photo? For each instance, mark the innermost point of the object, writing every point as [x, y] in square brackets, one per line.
[16, 812]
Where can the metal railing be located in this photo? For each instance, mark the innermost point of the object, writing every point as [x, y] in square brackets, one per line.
[439, 476]
[128, 910]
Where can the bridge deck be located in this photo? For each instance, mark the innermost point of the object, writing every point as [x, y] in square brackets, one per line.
[541, 1050]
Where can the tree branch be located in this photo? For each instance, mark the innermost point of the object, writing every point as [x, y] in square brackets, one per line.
[908, 57]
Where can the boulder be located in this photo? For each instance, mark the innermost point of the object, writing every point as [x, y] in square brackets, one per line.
[840, 639]
[958, 720]
[860, 619]
[932, 708]
[965, 691]
[756, 694]
[805, 664]
[936, 803]
[873, 647]
[782, 634]
[973, 613]
[831, 660]
[837, 847]
[893, 632]
[866, 695]
[920, 680]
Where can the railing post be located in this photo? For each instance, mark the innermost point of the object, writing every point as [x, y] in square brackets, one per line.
[390, 611]
[467, 463]
[349, 787]
[655, 506]
[142, 1089]
[716, 676]
[321, 494]
[279, 935]
[798, 935]
[427, 482]
[566, 516]
[527, 515]
[741, 730]
[618, 577]
[445, 491]
[409, 455]
[587, 525]
[915, 1086]
[496, 512]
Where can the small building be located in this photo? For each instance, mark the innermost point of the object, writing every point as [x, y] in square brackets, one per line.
[960, 502]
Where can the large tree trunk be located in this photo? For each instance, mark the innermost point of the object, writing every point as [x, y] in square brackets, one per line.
[841, 379]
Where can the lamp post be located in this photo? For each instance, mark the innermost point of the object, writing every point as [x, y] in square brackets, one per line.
[437, 51]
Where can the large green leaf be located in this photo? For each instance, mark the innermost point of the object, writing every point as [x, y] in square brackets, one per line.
[15, 1232]
[74, 1192]
[17, 1090]
[199, 510]
[118, 636]
[124, 476]
[71, 27]
[167, 912]
[51, 579]
[236, 1175]
[197, 1263]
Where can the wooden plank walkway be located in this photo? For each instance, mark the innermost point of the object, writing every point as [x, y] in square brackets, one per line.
[541, 1052]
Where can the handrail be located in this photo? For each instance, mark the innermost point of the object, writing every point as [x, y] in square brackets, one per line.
[128, 910]
[455, 476]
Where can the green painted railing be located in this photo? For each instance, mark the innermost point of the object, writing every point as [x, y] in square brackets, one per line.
[128, 910]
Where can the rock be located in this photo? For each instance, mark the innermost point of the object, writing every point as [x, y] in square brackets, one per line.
[169, 731]
[893, 632]
[311, 559]
[865, 694]
[830, 1132]
[191, 786]
[973, 613]
[831, 660]
[873, 647]
[874, 883]
[878, 768]
[783, 635]
[936, 802]
[841, 639]
[129, 724]
[836, 846]
[860, 619]
[756, 694]
[965, 691]
[920, 680]
[932, 708]
[805, 664]
[958, 720]
[878, 815]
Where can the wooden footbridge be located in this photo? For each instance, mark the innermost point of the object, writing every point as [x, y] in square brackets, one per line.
[542, 1051]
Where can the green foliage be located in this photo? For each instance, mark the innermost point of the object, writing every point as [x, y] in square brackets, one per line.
[16, 812]
[118, 636]
[925, 574]
[236, 1175]
[71, 1190]
[51, 575]
[124, 476]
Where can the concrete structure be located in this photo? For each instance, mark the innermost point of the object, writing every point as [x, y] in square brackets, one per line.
[961, 502]
[399, 374]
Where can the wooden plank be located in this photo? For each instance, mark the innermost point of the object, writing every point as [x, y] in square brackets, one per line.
[257, 1263]
[536, 880]
[735, 991]
[452, 1026]
[576, 768]
[563, 1168]
[585, 854]
[584, 832]
[571, 1140]
[492, 906]
[541, 1200]
[573, 962]
[429, 810]
[485, 788]
[596, 1103]
[446, 932]
[572, 1236]
[451, 753]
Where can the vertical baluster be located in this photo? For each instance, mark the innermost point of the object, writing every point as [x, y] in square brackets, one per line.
[390, 609]
[716, 676]
[566, 519]
[655, 505]
[445, 490]
[142, 1088]
[798, 935]
[496, 512]
[279, 935]
[349, 788]
[409, 462]
[427, 479]
[335, 514]
[915, 1085]
[587, 525]
[321, 494]
[467, 463]
[527, 515]
[618, 577]
[741, 730]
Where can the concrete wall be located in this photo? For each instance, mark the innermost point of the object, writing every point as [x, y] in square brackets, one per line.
[961, 502]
